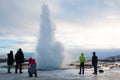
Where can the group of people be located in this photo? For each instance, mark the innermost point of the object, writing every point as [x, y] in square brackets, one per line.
[94, 63]
[19, 59]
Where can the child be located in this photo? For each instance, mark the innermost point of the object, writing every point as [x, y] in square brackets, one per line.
[32, 67]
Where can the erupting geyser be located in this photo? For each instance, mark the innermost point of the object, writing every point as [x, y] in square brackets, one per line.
[49, 51]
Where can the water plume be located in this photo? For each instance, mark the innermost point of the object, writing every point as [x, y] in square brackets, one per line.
[50, 53]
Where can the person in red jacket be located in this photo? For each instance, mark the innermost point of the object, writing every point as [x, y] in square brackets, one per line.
[32, 67]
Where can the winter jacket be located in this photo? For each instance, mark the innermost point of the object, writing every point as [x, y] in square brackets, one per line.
[10, 59]
[94, 59]
[30, 61]
[82, 58]
[32, 66]
[19, 57]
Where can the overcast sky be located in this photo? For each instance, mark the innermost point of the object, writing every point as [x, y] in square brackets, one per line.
[87, 24]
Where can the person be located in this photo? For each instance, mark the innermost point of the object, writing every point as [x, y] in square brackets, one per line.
[82, 60]
[94, 62]
[32, 67]
[19, 58]
[10, 60]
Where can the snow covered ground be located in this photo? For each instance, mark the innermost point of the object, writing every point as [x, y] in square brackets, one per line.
[70, 74]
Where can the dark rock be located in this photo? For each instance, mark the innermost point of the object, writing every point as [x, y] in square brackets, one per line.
[101, 71]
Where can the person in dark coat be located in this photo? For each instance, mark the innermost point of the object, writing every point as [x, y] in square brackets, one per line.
[10, 60]
[19, 58]
[94, 62]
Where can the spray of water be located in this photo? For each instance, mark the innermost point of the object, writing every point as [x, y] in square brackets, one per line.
[50, 53]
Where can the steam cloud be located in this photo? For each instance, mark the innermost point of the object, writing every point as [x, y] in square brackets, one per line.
[49, 51]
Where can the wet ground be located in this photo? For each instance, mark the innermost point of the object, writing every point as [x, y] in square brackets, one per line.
[70, 74]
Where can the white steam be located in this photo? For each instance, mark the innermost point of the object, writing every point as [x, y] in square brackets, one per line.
[50, 53]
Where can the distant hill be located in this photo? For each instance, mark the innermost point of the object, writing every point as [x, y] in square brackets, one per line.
[113, 58]
[3, 56]
[28, 55]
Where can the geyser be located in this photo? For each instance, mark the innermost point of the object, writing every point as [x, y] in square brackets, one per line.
[50, 53]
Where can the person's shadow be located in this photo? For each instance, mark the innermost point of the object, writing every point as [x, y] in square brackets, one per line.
[82, 77]
[95, 77]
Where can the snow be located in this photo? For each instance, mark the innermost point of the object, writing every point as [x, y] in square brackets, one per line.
[70, 74]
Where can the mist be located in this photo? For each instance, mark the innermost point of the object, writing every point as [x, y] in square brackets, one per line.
[50, 53]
